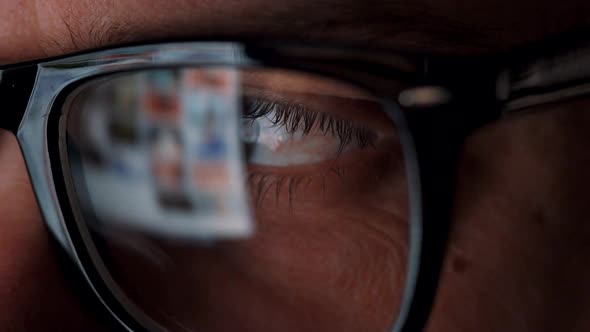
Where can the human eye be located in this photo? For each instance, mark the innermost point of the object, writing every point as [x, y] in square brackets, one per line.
[312, 145]
[286, 134]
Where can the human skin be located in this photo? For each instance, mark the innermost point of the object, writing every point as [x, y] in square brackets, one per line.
[519, 249]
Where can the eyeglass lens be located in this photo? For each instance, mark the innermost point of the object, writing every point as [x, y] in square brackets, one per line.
[226, 199]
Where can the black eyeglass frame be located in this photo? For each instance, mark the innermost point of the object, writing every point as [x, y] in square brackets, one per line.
[432, 128]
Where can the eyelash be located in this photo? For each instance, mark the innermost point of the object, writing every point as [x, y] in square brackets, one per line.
[265, 183]
[293, 117]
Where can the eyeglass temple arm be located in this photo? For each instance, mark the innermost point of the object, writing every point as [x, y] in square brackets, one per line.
[552, 79]
[16, 86]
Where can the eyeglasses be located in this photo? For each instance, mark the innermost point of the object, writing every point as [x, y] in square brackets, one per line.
[220, 185]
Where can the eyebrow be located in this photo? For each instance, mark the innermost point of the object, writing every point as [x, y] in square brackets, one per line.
[425, 27]
[393, 24]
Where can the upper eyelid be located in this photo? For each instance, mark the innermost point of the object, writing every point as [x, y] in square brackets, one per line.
[369, 113]
[295, 117]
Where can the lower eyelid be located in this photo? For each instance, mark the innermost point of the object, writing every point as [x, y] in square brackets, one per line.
[265, 188]
[327, 180]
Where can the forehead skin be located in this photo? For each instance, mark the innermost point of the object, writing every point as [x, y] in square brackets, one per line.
[36, 28]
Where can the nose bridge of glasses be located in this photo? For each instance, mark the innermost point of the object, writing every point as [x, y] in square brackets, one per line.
[16, 86]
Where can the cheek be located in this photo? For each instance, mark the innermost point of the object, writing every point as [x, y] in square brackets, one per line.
[518, 249]
[35, 294]
[326, 248]
[317, 267]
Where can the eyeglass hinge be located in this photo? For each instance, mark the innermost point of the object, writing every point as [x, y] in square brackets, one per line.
[424, 96]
